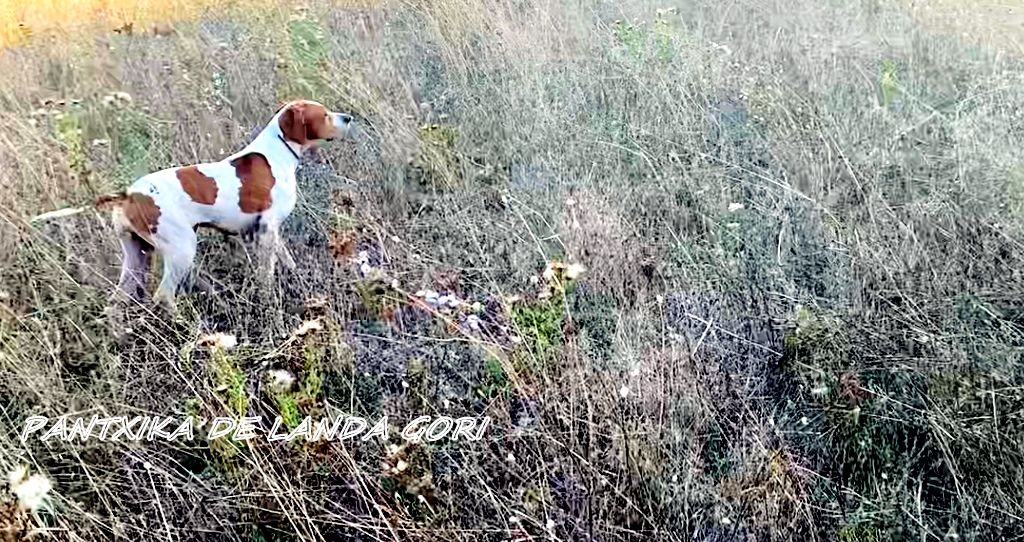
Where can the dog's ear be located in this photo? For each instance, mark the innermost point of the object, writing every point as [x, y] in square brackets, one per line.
[293, 123]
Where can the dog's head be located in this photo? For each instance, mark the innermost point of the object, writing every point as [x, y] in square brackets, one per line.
[305, 122]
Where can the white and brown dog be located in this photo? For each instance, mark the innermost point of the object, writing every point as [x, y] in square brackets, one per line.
[251, 192]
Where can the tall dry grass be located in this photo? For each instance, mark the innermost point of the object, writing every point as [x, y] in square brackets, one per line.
[21, 22]
[800, 318]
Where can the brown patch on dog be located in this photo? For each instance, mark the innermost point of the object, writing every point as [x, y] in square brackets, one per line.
[142, 214]
[257, 181]
[109, 201]
[140, 211]
[199, 187]
[303, 122]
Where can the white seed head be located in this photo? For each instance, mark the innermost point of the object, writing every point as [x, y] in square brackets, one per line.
[574, 270]
[308, 326]
[549, 272]
[218, 340]
[281, 380]
[31, 491]
[18, 475]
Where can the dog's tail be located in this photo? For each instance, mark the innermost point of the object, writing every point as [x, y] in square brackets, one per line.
[104, 202]
[59, 213]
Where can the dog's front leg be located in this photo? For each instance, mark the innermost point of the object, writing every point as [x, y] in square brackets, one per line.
[272, 249]
[268, 243]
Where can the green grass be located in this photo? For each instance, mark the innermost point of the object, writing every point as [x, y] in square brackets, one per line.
[135, 139]
[308, 54]
[495, 382]
[888, 80]
[540, 323]
[230, 381]
[288, 410]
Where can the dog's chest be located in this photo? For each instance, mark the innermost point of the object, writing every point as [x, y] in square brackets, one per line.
[284, 196]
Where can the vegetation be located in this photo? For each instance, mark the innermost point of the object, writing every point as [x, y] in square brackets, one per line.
[743, 271]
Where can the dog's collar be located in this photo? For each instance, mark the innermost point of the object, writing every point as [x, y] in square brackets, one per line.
[289, 147]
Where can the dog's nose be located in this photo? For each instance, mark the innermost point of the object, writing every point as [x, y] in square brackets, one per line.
[345, 119]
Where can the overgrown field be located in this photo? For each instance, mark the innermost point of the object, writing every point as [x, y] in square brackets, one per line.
[800, 317]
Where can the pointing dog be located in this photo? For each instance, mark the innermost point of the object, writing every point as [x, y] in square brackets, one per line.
[251, 192]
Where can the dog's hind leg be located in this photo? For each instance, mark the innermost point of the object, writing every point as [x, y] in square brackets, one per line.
[178, 258]
[134, 267]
